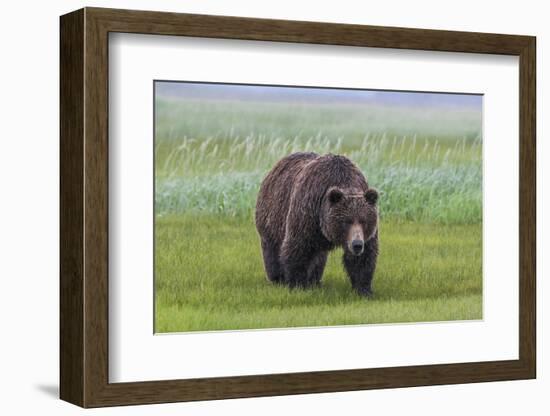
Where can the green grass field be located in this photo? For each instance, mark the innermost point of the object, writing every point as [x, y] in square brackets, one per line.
[209, 161]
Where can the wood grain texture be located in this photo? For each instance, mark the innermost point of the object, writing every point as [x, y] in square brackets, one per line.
[71, 213]
[84, 207]
[527, 208]
[162, 23]
[96, 209]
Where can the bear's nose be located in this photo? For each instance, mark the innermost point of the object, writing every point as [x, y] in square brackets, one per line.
[357, 246]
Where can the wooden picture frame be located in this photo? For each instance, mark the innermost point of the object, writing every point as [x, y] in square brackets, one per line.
[84, 207]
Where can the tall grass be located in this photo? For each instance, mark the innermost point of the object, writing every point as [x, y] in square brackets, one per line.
[419, 179]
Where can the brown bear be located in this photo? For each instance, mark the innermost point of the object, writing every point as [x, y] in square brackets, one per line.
[309, 204]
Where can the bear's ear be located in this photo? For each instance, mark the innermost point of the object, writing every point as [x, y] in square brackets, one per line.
[335, 195]
[371, 196]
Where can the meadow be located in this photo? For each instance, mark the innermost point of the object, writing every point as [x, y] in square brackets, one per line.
[210, 157]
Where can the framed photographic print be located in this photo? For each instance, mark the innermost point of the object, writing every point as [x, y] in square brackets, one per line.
[255, 207]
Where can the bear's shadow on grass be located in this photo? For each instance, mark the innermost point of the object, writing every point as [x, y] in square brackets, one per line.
[334, 290]
[337, 291]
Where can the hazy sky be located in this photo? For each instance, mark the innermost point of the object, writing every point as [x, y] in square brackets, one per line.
[237, 92]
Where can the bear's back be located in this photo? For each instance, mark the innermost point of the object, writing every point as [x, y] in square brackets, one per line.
[331, 170]
[275, 193]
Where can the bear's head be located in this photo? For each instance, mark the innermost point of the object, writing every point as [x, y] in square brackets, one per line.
[349, 217]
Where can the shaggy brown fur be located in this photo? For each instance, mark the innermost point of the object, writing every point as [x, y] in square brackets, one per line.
[308, 205]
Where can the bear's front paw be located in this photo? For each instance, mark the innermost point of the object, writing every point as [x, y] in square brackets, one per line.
[303, 284]
[364, 292]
